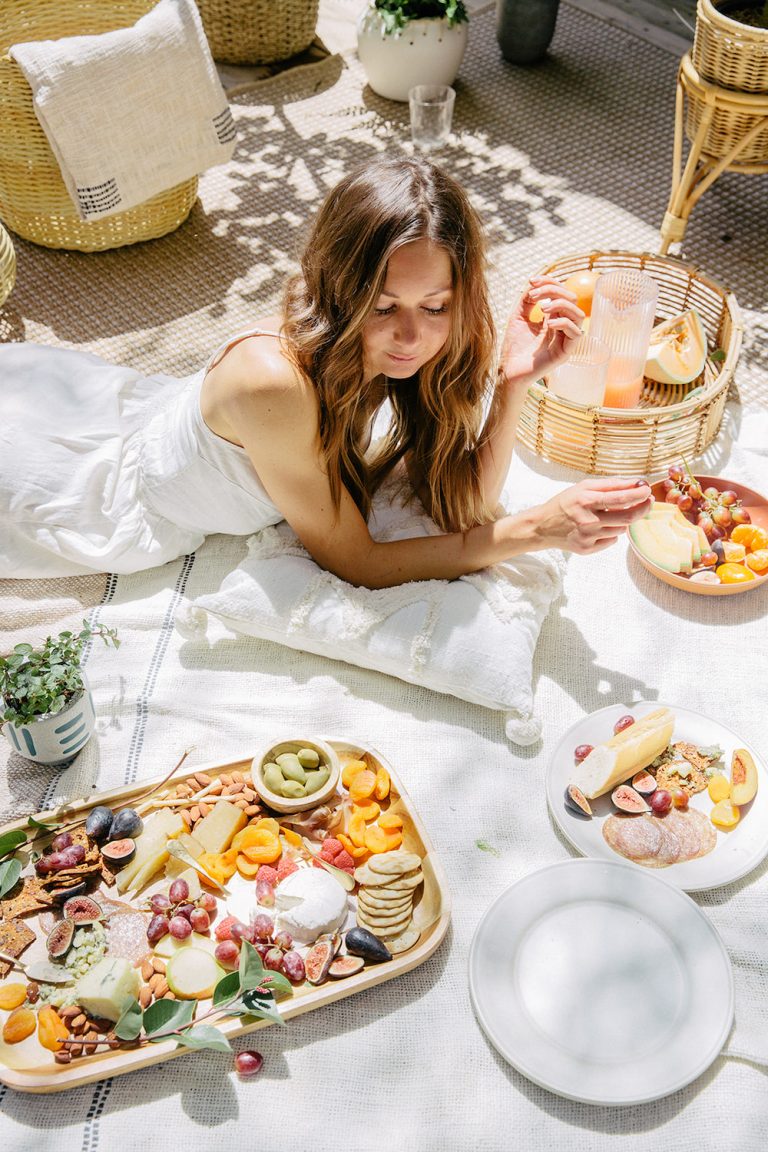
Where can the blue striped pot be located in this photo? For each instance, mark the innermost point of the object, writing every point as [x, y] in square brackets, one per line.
[56, 738]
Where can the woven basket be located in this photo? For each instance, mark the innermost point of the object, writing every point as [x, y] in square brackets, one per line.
[258, 31]
[728, 53]
[668, 423]
[7, 266]
[34, 201]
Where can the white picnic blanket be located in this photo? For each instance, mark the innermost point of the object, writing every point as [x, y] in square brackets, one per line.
[133, 112]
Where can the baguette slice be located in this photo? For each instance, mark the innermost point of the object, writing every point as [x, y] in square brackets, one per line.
[625, 754]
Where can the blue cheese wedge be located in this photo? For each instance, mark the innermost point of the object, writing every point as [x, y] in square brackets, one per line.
[107, 989]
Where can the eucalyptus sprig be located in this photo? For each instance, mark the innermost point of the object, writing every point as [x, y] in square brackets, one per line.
[252, 990]
[41, 681]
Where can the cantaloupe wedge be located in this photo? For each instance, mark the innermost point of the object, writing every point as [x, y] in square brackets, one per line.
[678, 349]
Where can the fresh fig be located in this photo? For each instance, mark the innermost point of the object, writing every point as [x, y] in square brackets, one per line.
[643, 783]
[60, 938]
[318, 961]
[119, 852]
[627, 799]
[362, 942]
[577, 801]
[126, 824]
[82, 910]
[346, 966]
[61, 895]
[99, 822]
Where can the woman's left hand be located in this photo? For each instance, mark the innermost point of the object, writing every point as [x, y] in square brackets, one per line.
[533, 347]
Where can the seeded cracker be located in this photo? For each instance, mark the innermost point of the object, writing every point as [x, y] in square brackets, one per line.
[14, 938]
[31, 898]
[695, 781]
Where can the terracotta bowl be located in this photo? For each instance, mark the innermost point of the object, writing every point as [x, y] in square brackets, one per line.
[300, 804]
[753, 502]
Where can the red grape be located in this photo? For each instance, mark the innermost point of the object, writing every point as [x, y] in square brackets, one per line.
[283, 940]
[179, 891]
[675, 473]
[293, 966]
[157, 928]
[728, 498]
[179, 927]
[660, 801]
[668, 485]
[60, 842]
[185, 910]
[159, 902]
[227, 954]
[248, 1063]
[722, 517]
[680, 798]
[207, 901]
[685, 503]
[740, 515]
[262, 927]
[274, 960]
[622, 723]
[581, 751]
[694, 490]
[711, 493]
[240, 932]
[265, 893]
[673, 496]
[709, 559]
[200, 920]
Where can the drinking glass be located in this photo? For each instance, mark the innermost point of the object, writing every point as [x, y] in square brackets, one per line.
[582, 377]
[431, 108]
[623, 311]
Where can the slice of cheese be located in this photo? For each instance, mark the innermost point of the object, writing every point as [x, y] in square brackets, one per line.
[623, 755]
[216, 830]
[108, 988]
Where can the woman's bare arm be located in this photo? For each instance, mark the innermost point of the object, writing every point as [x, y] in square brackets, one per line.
[272, 413]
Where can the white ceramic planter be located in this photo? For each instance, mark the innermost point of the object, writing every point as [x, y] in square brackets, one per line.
[424, 52]
[56, 738]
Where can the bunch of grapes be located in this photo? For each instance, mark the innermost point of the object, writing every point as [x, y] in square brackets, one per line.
[177, 915]
[716, 512]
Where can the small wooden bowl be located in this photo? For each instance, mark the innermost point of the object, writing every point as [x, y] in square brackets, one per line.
[302, 803]
[752, 501]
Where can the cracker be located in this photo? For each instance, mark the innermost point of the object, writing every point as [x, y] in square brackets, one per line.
[404, 941]
[31, 898]
[393, 883]
[384, 927]
[14, 938]
[394, 863]
[367, 901]
[695, 781]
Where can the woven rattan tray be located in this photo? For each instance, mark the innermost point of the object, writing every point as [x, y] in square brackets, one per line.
[670, 421]
[431, 916]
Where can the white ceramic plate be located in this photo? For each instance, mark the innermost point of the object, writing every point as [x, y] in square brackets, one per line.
[737, 851]
[601, 982]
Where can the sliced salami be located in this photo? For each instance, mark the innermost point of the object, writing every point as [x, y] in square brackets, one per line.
[636, 838]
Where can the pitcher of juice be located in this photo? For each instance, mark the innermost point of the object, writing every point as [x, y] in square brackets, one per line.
[623, 312]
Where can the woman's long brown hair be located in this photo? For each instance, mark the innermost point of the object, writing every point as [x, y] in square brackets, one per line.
[437, 415]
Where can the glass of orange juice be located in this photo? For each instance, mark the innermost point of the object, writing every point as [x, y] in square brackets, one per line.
[623, 312]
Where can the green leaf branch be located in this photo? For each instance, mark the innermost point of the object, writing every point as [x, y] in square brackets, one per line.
[251, 991]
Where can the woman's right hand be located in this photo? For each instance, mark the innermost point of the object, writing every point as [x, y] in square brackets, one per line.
[590, 515]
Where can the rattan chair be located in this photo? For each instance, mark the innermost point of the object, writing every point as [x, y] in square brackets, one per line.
[258, 31]
[672, 421]
[34, 201]
[7, 266]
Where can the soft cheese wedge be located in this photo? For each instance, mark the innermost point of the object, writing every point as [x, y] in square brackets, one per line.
[620, 757]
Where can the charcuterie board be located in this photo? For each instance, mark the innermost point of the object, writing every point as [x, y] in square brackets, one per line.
[323, 900]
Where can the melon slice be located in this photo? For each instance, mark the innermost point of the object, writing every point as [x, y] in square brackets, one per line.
[660, 544]
[192, 974]
[678, 349]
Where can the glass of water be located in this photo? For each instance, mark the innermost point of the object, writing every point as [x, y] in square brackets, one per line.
[583, 375]
[431, 108]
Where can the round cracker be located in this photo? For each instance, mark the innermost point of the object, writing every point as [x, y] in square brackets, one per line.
[394, 863]
[404, 941]
[366, 901]
[384, 919]
[379, 880]
[382, 930]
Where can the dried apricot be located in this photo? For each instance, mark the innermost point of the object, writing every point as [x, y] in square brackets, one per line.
[20, 1024]
[357, 829]
[246, 867]
[725, 814]
[270, 824]
[263, 847]
[362, 785]
[51, 1029]
[381, 790]
[390, 820]
[292, 837]
[379, 840]
[368, 811]
[12, 996]
[719, 788]
[351, 769]
[220, 865]
[356, 851]
[758, 561]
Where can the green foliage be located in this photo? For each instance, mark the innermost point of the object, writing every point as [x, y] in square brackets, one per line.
[10, 841]
[395, 14]
[251, 991]
[37, 681]
[9, 875]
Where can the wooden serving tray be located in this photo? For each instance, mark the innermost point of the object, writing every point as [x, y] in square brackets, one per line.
[431, 916]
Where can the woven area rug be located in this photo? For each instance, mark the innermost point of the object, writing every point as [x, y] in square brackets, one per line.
[571, 155]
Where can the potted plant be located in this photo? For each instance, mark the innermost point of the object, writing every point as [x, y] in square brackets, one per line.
[402, 43]
[47, 708]
[524, 28]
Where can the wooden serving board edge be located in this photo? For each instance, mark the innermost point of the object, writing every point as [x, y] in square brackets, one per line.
[90, 1069]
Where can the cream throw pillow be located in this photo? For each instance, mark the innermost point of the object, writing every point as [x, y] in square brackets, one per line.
[473, 638]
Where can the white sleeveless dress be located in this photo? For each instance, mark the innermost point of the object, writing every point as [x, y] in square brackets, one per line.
[104, 469]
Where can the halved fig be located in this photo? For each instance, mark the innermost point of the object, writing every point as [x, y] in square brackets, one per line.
[577, 801]
[346, 966]
[119, 852]
[644, 783]
[82, 910]
[627, 799]
[60, 938]
[318, 961]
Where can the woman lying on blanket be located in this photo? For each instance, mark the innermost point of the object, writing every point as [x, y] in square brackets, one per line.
[103, 468]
